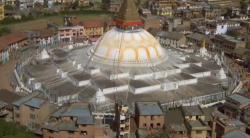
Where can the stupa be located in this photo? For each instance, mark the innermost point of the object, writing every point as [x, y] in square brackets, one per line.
[128, 44]
[127, 63]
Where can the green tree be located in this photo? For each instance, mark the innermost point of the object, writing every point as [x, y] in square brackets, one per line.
[4, 31]
[12, 130]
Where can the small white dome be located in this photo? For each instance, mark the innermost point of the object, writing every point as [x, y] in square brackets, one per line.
[44, 55]
[128, 48]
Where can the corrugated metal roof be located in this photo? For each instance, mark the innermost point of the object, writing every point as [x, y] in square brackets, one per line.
[240, 99]
[236, 134]
[86, 120]
[192, 110]
[149, 108]
[35, 102]
[25, 99]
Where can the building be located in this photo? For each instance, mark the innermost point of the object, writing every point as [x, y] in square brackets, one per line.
[74, 120]
[122, 120]
[194, 119]
[149, 118]
[25, 4]
[228, 44]
[9, 45]
[173, 39]
[149, 115]
[211, 12]
[112, 5]
[6, 107]
[163, 7]
[152, 22]
[237, 106]
[31, 111]
[235, 134]
[93, 29]
[221, 3]
[197, 39]
[187, 122]
[12, 3]
[2, 12]
[175, 124]
[43, 37]
[224, 124]
[71, 33]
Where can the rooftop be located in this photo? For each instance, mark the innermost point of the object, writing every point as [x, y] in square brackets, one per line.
[236, 134]
[11, 39]
[79, 110]
[197, 125]
[239, 99]
[192, 110]
[35, 102]
[149, 108]
[171, 35]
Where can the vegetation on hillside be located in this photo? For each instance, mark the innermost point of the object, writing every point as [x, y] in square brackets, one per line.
[12, 130]
[4, 31]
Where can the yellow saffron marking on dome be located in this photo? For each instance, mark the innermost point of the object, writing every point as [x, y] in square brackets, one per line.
[148, 53]
[156, 51]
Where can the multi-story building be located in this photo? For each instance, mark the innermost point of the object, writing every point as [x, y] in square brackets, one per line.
[163, 7]
[211, 12]
[222, 3]
[173, 39]
[93, 29]
[229, 44]
[194, 120]
[152, 22]
[9, 45]
[224, 124]
[112, 5]
[74, 120]
[71, 33]
[175, 125]
[31, 111]
[122, 120]
[197, 39]
[1, 11]
[238, 107]
[6, 107]
[149, 118]
[187, 122]
[10, 2]
[149, 115]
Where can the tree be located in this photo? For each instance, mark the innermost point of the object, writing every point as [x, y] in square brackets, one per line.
[12, 130]
[4, 31]
[243, 4]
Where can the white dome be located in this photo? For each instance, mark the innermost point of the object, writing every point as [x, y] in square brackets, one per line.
[128, 48]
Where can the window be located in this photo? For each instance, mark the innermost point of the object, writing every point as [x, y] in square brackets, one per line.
[32, 109]
[152, 117]
[17, 107]
[145, 125]
[198, 131]
[158, 124]
[17, 115]
[84, 133]
[71, 132]
[152, 125]
[32, 116]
